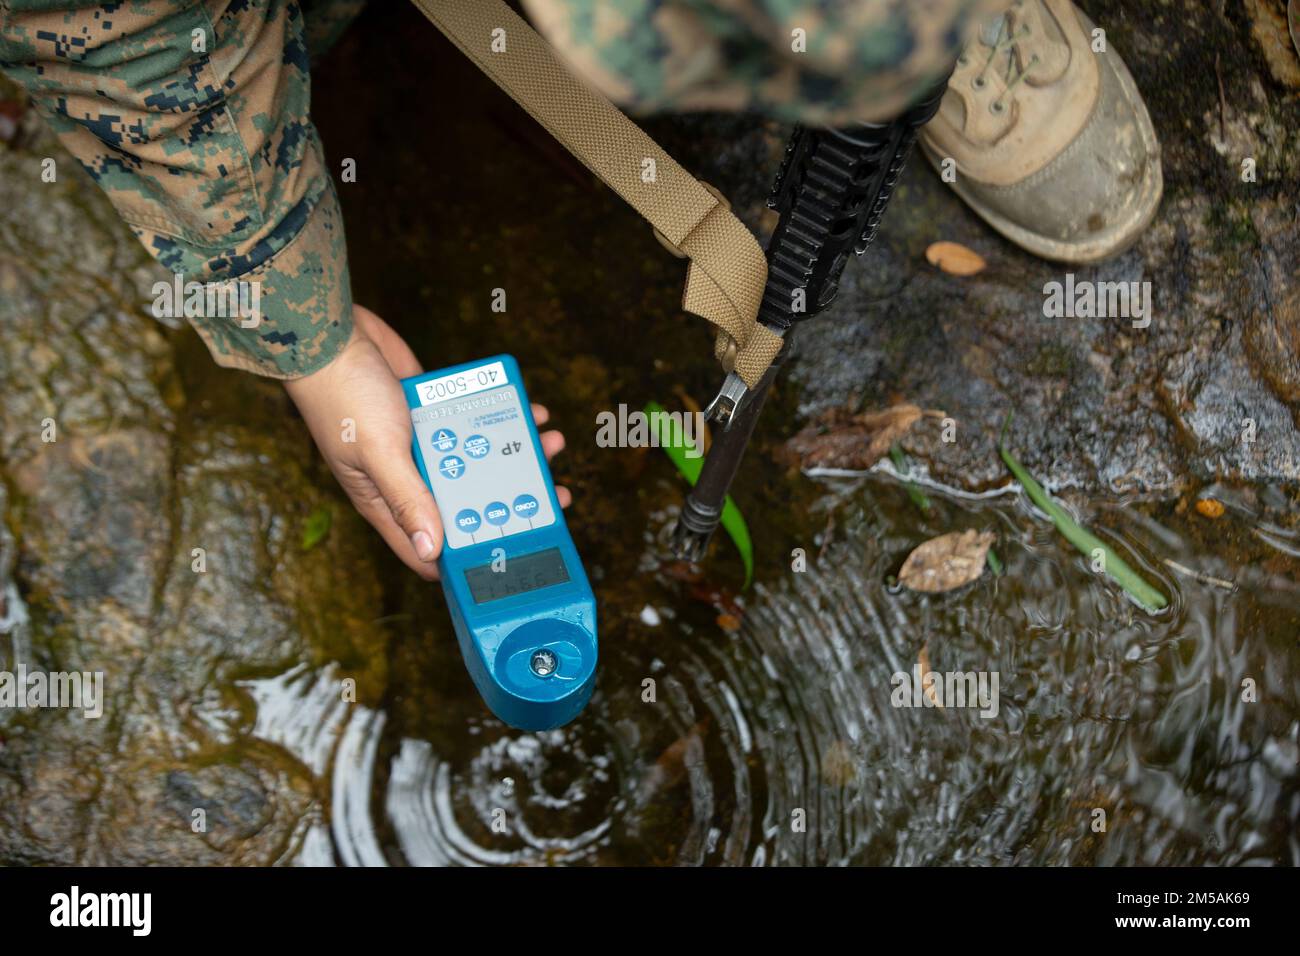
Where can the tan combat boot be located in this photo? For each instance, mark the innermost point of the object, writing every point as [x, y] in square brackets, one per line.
[1049, 141]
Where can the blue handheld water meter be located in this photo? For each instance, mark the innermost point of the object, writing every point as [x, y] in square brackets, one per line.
[524, 613]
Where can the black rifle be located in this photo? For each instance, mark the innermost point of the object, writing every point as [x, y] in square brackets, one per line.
[831, 193]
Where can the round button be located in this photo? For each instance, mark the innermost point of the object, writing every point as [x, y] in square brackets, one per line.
[497, 513]
[476, 446]
[468, 521]
[444, 440]
[453, 466]
[525, 506]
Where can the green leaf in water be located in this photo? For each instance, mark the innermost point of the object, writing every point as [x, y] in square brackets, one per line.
[316, 527]
[673, 442]
[1084, 540]
[994, 563]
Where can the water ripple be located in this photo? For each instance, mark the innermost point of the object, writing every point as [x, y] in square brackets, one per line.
[1117, 737]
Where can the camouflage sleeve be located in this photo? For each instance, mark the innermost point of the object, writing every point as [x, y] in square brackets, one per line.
[192, 115]
[812, 61]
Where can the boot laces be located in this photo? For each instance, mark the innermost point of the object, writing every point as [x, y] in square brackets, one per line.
[1007, 41]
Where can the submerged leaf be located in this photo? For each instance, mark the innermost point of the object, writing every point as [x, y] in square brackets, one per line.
[316, 527]
[838, 764]
[1085, 540]
[904, 471]
[673, 442]
[923, 668]
[673, 764]
[947, 562]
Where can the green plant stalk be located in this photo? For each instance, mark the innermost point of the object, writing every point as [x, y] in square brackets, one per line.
[1084, 540]
[913, 489]
[994, 562]
[673, 442]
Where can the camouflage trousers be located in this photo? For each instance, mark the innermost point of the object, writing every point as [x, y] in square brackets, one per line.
[194, 116]
[811, 61]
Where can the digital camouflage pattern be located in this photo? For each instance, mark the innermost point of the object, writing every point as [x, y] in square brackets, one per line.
[825, 62]
[193, 116]
[209, 154]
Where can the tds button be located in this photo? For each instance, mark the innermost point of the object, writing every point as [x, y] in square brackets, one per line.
[468, 521]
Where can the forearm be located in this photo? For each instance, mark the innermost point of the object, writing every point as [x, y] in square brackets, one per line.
[194, 120]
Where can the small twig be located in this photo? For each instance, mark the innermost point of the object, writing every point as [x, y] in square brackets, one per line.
[1223, 101]
[826, 536]
[389, 618]
[1201, 576]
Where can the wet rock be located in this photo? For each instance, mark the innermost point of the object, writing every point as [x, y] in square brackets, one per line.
[1268, 25]
[1098, 403]
[152, 514]
[1273, 340]
[1273, 331]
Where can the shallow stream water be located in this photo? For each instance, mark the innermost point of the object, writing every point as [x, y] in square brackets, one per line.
[778, 743]
[1120, 737]
[729, 726]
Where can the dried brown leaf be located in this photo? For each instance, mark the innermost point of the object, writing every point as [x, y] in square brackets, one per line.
[955, 259]
[947, 562]
[1210, 508]
[856, 442]
[692, 406]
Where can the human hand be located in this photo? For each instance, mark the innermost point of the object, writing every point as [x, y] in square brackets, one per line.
[375, 468]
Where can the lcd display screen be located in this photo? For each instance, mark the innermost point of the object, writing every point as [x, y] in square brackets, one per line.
[526, 573]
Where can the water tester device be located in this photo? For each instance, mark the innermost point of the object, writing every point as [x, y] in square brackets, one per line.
[524, 613]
